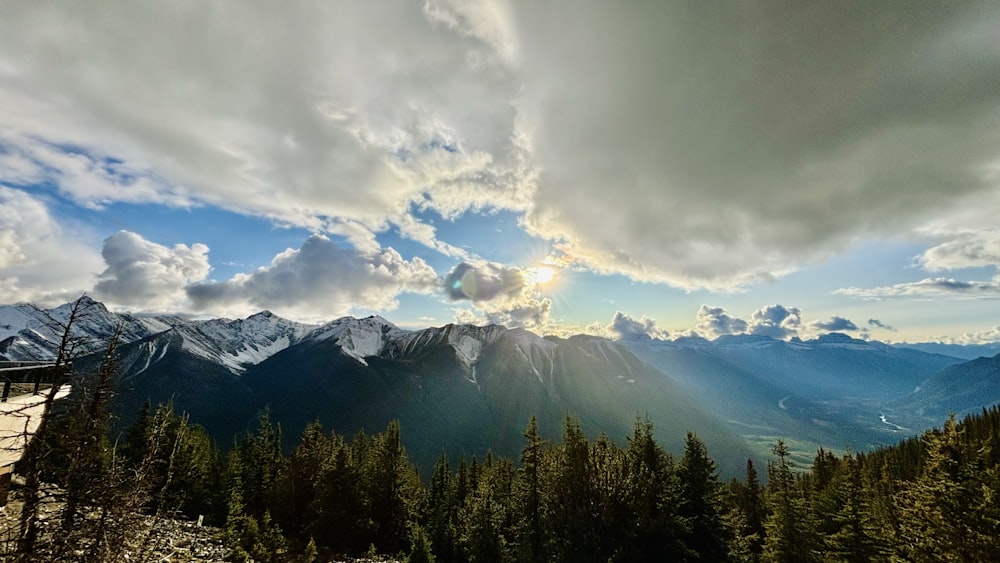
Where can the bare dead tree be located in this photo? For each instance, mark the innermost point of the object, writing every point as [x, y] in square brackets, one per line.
[69, 344]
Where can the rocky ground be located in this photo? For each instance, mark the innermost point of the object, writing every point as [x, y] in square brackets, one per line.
[162, 540]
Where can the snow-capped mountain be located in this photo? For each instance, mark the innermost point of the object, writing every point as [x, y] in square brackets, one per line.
[29, 333]
[462, 388]
[239, 343]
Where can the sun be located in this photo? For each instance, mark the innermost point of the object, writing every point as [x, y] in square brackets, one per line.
[542, 274]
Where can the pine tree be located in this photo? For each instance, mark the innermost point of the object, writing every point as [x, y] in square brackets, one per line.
[653, 498]
[529, 532]
[569, 510]
[393, 490]
[705, 536]
[950, 511]
[341, 522]
[789, 531]
[854, 540]
[486, 516]
[420, 547]
[295, 489]
[440, 523]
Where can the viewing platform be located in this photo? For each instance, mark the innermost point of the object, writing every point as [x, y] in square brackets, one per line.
[22, 404]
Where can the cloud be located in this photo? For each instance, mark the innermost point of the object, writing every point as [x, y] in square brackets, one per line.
[989, 336]
[149, 276]
[927, 288]
[625, 327]
[483, 282]
[875, 323]
[964, 250]
[528, 312]
[970, 249]
[324, 117]
[319, 280]
[500, 294]
[42, 259]
[671, 155]
[716, 321]
[776, 321]
[835, 324]
[635, 139]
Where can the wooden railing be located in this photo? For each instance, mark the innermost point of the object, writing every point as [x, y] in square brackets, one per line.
[35, 374]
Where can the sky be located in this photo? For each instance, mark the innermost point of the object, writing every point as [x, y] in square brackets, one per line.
[640, 169]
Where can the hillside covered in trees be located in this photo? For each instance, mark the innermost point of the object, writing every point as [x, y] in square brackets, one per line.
[579, 499]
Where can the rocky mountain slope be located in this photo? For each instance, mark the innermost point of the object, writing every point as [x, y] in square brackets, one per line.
[466, 389]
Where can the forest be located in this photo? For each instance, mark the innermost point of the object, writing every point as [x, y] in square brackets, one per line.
[932, 498]
[579, 499]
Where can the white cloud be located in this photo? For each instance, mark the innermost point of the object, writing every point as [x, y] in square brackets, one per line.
[989, 336]
[144, 275]
[655, 140]
[716, 321]
[964, 250]
[313, 114]
[521, 313]
[625, 327]
[928, 288]
[41, 260]
[318, 281]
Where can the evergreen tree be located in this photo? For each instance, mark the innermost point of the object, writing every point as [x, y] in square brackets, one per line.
[950, 511]
[529, 532]
[341, 509]
[569, 510]
[751, 503]
[705, 535]
[393, 490]
[854, 540]
[263, 447]
[789, 531]
[295, 489]
[653, 498]
[440, 512]
[420, 547]
[612, 508]
[486, 516]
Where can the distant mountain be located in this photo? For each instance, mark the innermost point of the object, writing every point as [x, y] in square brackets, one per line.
[960, 389]
[466, 389]
[455, 389]
[964, 351]
[830, 391]
[30, 333]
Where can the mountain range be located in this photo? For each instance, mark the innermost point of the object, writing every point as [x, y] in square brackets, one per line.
[463, 390]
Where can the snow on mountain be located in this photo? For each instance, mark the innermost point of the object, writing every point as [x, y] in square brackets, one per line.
[468, 341]
[358, 338]
[31, 333]
[239, 343]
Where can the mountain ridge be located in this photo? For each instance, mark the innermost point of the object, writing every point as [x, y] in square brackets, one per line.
[467, 388]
